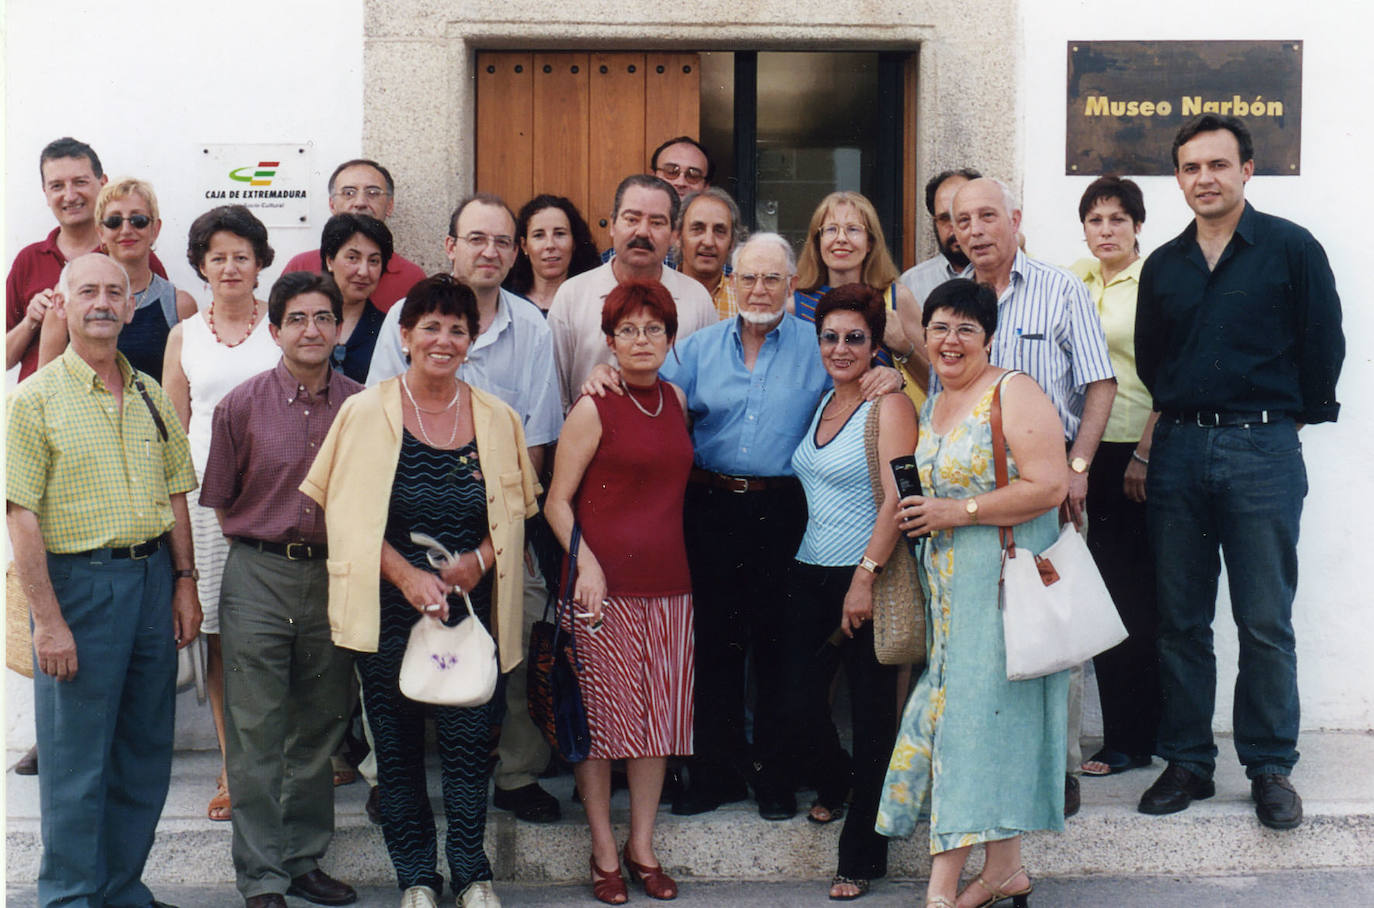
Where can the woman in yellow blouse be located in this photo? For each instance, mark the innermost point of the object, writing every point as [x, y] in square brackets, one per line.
[1112, 211]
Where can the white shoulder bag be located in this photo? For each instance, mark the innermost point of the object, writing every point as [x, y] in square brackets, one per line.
[449, 666]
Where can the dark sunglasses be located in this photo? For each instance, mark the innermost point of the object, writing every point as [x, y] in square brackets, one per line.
[115, 221]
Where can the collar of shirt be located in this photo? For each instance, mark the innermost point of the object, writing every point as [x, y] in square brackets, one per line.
[1092, 273]
[1018, 273]
[293, 390]
[1247, 231]
[499, 323]
[85, 376]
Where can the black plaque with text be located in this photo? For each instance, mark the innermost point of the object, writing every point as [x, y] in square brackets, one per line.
[1127, 99]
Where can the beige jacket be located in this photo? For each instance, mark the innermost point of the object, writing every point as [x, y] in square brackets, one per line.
[351, 478]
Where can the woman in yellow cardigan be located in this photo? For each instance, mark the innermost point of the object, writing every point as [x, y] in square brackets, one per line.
[426, 453]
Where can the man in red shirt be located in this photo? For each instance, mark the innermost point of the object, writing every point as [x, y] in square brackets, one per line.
[361, 186]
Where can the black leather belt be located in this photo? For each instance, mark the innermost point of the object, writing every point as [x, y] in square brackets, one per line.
[1222, 419]
[136, 552]
[296, 551]
[741, 484]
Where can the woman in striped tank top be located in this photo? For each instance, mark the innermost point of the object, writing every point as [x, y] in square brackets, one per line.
[848, 537]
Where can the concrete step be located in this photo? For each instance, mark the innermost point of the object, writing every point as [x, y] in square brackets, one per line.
[1217, 836]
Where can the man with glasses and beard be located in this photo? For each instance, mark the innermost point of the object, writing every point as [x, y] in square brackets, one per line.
[950, 261]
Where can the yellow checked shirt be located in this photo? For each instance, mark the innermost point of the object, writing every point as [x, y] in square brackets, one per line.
[1115, 304]
[724, 298]
[95, 477]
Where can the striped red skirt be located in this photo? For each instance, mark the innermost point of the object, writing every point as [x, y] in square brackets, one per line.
[637, 677]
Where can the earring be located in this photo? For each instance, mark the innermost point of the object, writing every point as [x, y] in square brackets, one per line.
[405, 351]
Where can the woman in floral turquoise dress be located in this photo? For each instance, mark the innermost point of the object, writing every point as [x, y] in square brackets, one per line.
[980, 756]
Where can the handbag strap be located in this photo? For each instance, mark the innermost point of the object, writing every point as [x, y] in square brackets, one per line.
[152, 410]
[565, 597]
[875, 479]
[999, 457]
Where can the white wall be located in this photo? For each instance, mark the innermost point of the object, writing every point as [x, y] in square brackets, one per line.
[145, 83]
[1331, 615]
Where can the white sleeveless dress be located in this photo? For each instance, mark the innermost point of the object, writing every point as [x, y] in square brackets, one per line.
[213, 370]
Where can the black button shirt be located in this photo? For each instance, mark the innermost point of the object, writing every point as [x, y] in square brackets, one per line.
[1261, 331]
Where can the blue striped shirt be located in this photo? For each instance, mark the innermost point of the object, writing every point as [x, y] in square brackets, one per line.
[1048, 328]
[840, 509]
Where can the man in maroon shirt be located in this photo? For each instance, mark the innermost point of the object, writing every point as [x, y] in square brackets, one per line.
[361, 186]
[286, 686]
[72, 178]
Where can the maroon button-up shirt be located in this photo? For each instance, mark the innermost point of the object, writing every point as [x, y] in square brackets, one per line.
[264, 437]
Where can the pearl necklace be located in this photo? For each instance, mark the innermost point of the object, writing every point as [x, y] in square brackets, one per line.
[420, 420]
[210, 320]
[630, 394]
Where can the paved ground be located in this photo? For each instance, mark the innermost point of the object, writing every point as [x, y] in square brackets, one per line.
[1274, 890]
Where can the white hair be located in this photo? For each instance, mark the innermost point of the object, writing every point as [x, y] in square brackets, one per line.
[767, 238]
[63, 281]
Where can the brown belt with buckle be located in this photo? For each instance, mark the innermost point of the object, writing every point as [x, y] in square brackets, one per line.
[740, 484]
[295, 551]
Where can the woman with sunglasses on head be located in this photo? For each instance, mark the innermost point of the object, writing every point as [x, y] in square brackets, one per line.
[127, 219]
[207, 356]
[553, 244]
[849, 536]
[844, 245]
[355, 250]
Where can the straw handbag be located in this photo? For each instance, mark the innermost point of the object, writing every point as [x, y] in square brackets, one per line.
[899, 605]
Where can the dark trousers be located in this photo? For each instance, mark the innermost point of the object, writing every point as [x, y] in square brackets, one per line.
[1119, 539]
[465, 740]
[739, 548]
[106, 735]
[815, 605]
[1235, 492]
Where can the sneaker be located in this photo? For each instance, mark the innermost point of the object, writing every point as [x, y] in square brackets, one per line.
[480, 894]
[419, 897]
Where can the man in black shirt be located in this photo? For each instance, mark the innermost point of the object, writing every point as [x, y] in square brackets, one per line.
[1238, 338]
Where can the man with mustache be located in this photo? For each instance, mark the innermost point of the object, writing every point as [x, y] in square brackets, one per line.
[950, 261]
[642, 220]
[96, 476]
[709, 228]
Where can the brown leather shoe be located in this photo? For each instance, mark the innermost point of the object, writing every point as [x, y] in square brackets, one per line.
[28, 763]
[1073, 798]
[266, 900]
[322, 889]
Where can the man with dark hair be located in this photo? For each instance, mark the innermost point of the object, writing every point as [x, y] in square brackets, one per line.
[363, 186]
[97, 469]
[71, 177]
[286, 686]
[709, 229]
[1238, 339]
[642, 222]
[683, 163]
[950, 261]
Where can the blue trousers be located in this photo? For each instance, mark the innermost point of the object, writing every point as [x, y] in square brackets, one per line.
[106, 735]
[1236, 491]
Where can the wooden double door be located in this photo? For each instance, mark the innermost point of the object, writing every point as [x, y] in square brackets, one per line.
[576, 123]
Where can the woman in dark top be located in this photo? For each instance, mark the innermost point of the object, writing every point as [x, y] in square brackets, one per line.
[554, 244]
[355, 250]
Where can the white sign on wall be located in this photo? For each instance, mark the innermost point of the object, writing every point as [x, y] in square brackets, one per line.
[270, 179]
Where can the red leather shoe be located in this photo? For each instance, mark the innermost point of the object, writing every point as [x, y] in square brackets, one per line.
[656, 883]
[608, 885]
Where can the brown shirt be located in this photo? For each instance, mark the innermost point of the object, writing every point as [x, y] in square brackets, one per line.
[264, 437]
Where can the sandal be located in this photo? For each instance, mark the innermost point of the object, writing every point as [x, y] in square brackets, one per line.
[656, 883]
[1107, 762]
[820, 814]
[345, 777]
[220, 808]
[609, 885]
[1019, 899]
[939, 901]
[861, 885]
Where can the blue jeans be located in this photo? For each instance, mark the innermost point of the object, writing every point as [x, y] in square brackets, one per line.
[1237, 489]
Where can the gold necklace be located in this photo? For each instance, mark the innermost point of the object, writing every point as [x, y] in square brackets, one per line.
[420, 420]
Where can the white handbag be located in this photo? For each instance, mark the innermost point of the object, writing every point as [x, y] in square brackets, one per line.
[450, 666]
[1056, 611]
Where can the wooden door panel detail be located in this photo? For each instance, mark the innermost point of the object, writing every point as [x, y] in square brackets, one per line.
[561, 135]
[617, 109]
[505, 123]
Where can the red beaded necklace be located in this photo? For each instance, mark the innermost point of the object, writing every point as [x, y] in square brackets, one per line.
[210, 320]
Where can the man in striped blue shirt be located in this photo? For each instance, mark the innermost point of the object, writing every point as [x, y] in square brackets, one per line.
[1048, 328]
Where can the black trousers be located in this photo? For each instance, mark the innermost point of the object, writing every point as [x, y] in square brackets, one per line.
[1128, 673]
[739, 549]
[815, 604]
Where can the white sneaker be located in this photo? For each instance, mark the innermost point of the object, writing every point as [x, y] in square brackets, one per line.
[478, 895]
[419, 897]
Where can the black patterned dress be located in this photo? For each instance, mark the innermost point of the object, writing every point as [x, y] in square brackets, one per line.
[443, 494]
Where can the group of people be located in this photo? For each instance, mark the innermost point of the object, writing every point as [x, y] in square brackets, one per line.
[366, 448]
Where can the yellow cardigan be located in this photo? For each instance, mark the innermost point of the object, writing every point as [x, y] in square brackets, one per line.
[351, 479]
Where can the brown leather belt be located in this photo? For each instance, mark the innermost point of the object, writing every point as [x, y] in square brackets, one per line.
[295, 551]
[740, 484]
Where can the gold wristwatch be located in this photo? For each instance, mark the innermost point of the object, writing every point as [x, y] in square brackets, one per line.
[868, 564]
[971, 508]
[1078, 465]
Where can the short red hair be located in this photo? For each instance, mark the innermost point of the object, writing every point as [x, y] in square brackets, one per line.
[630, 297]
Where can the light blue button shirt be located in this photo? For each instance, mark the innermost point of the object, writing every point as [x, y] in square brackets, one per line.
[748, 423]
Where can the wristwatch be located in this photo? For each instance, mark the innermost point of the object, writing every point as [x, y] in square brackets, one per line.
[971, 508]
[1078, 465]
[868, 564]
[192, 573]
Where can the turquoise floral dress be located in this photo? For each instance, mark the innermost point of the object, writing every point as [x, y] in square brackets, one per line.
[981, 757]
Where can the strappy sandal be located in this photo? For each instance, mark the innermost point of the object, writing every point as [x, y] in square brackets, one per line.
[1019, 899]
[861, 885]
[821, 814]
[656, 883]
[609, 885]
[220, 808]
[939, 901]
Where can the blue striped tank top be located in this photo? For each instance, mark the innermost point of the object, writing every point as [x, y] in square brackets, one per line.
[839, 499]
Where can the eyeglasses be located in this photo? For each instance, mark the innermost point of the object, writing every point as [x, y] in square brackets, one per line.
[673, 171]
[851, 231]
[770, 281]
[137, 221]
[478, 241]
[939, 331]
[632, 332]
[322, 320]
[851, 338]
[349, 193]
